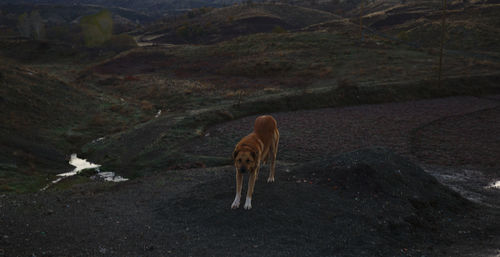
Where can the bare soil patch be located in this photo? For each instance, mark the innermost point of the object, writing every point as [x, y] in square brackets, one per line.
[365, 203]
[402, 127]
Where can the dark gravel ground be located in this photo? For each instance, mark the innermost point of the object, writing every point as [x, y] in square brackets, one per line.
[365, 203]
[449, 131]
[362, 203]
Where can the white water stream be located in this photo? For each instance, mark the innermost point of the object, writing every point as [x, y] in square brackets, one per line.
[82, 164]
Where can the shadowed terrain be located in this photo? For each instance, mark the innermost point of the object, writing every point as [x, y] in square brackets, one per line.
[377, 156]
[364, 203]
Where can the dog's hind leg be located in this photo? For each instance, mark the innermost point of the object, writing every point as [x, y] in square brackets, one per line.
[272, 155]
[239, 184]
[251, 184]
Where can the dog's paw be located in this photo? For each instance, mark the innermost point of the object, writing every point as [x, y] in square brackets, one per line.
[236, 204]
[248, 204]
[270, 180]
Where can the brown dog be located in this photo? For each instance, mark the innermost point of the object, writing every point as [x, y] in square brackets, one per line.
[259, 146]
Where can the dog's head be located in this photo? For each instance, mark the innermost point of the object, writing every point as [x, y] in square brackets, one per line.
[245, 160]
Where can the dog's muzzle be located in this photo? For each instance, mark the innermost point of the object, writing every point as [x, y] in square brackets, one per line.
[243, 170]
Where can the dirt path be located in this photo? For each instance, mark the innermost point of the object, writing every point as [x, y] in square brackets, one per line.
[455, 138]
[448, 131]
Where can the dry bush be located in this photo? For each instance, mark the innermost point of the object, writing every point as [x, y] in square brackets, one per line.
[121, 42]
[121, 109]
[347, 88]
[279, 29]
[271, 89]
[146, 105]
[131, 78]
[235, 93]
[150, 92]
[98, 121]
[116, 107]
[325, 72]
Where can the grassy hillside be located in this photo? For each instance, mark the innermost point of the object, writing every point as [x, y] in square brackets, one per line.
[291, 60]
[199, 85]
[45, 120]
[315, 59]
[472, 29]
[62, 21]
[208, 25]
[153, 7]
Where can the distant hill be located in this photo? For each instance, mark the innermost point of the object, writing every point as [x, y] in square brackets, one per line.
[210, 25]
[470, 25]
[152, 7]
[62, 22]
[60, 13]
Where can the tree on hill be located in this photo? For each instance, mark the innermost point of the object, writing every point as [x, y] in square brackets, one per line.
[97, 28]
[98, 32]
[31, 26]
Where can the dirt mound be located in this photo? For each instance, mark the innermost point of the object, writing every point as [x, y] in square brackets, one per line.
[367, 201]
[387, 181]
[399, 211]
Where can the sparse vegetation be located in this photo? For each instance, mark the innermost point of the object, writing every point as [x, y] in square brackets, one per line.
[164, 103]
[31, 26]
[279, 29]
[121, 42]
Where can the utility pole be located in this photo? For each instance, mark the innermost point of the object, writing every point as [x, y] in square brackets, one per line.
[443, 28]
[361, 22]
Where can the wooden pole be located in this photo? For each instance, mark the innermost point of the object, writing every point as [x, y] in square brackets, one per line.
[361, 22]
[443, 23]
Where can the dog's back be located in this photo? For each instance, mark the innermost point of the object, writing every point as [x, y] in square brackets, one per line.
[266, 129]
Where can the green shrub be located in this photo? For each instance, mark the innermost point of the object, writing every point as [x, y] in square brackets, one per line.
[279, 29]
[31, 26]
[121, 42]
[403, 35]
[182, 31]
[187, 31]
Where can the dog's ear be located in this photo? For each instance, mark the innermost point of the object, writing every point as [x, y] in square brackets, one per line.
[235, 153]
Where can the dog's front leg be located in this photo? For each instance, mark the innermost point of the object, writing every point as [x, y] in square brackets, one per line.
[239, 184]
[251, 184]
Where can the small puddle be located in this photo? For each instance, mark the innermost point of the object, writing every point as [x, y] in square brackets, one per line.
[494, 185]
[111, 176]
[82, 164]
[158, 114]
[471, 184]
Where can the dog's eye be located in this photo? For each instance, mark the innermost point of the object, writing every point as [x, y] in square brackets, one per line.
[239, 160]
